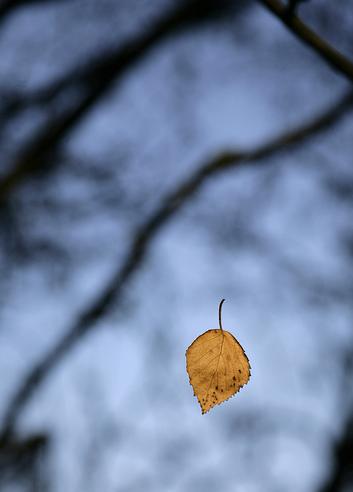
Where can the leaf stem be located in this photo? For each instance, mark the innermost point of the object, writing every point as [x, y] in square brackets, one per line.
[220, 314]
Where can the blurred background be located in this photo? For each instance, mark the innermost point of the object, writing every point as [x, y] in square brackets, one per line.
[155, 158]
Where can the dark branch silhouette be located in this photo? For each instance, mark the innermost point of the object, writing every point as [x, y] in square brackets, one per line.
[334, 58]
[9, 6]
[341, 475]
[18, 458]
[293, 5]
[172, 203]
[185, 15]
[96, 79]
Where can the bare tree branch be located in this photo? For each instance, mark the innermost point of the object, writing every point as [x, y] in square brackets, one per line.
[9, 6]
[96, 79]
[341, 475]
[21, 460]
[293, 5]
[334, 58]
[144, 236]
[185, 15]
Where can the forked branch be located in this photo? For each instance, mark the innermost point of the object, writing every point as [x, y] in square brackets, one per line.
[302, 31]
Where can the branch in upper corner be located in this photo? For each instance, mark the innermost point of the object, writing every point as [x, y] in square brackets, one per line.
[96, 78]
[112, 292]
[327, 52]
[186, 14]
[9, 6]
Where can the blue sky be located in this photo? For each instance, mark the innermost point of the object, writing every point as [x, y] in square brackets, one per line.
[270, 240]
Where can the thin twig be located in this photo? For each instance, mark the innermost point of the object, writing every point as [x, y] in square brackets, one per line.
[112, 292]
[303, 32]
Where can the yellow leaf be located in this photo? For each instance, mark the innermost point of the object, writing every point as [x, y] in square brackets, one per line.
[217, 366]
